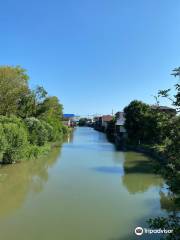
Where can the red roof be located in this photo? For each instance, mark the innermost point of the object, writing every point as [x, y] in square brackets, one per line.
[107, 118]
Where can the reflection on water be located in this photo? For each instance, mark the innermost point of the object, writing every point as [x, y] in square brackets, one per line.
[104, 169]
[85, 190]
[17, 180]
[139, 173]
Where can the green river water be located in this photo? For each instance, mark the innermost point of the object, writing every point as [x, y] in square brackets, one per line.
[85, 190]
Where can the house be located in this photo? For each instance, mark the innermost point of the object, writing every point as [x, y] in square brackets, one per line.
[168, 110]
[120, 134]
[101, 123]
[97, 123]
[119, 123]
[105, 119]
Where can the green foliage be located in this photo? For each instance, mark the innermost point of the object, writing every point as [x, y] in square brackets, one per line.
[13, 82]
[35, 151]
[40, 94]
[136, 114]
[157, 126]
[172, 151]
[83, 121]
[171, 171]
[3, 142]
[57, 127]
[65, 130]
[38, 131]
[50, 111]
[145, 125]
[27, 105]
[13, 141]
[175, 98]
[172, 222]
[12, 119]
[29, 119]
[50, 108]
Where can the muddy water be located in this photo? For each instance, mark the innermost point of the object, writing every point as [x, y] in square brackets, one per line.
[85, 190]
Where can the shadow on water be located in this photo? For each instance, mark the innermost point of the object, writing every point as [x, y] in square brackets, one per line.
[18, 180]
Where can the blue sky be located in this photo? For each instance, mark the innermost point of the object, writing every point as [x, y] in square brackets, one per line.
[95, 55]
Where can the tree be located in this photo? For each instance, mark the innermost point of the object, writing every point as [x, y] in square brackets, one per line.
[136, 114]
[27, 106]
[144, 124]
[30, 102]
[50, 111]
[82, 121]
[50, 107]
[13, 82]
[175, 99]
[38, 131]
[172, 168]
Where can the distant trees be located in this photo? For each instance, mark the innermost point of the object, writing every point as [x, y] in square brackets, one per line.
[83, 121]
[29, 119]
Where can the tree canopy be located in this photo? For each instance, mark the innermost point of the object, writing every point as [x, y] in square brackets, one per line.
[13, 84]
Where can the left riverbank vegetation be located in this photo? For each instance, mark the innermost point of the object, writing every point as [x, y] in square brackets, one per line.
[155, 130]
[30, 119]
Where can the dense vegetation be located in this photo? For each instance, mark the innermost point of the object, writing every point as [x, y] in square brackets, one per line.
[29, 119]
[160, 132]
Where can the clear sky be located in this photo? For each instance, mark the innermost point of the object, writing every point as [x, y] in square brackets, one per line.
[95, 55]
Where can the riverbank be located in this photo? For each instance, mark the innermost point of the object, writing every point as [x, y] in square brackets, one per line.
[30, 119]
[41, 151]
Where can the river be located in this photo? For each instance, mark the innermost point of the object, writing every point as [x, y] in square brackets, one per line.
[85, 190]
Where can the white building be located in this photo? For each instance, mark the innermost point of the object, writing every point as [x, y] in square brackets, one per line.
[120, 120]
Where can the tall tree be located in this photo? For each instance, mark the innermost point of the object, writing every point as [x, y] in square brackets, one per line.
[13, 83]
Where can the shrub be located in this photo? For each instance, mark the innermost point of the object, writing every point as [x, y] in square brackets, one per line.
[65, 130]
[57, 127]
[35, 151]
[11, 119]
[3, 142]
[49, 129]
[38, 132]
[15, 143]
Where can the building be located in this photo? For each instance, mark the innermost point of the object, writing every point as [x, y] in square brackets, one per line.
[120, 134]
[101, 122]
[68, 120]
[119, 123]
[105, 119]
[168, 110]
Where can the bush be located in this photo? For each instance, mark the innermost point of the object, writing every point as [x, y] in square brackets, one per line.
[11, 119]
[65, 130]
[3, 142]
[49, 129]
[36, 151]
[15, 142]
[39, 133]
[57, 127]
